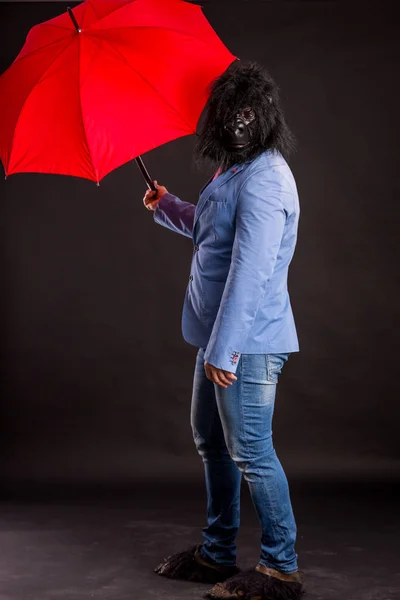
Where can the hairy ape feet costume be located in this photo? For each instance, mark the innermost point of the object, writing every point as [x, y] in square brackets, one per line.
[237, 312]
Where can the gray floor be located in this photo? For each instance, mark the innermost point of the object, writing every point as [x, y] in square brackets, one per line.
[67, 544]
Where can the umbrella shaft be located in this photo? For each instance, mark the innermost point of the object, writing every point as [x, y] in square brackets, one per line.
[145, 173]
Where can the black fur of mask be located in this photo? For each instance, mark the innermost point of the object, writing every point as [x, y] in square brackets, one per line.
[247, 93]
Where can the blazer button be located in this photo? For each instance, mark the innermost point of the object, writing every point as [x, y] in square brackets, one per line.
[191, 278]
[196, 247]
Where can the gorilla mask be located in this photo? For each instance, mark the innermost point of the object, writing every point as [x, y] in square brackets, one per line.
[236, 133]
[242, 119]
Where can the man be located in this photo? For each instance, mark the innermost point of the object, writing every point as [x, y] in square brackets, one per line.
[237, 312]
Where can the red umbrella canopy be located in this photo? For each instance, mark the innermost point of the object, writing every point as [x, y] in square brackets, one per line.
[134, 77]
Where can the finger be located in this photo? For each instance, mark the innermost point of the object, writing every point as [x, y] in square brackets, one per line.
[210, 374]
[230, 375]
[223, 377]
[216, 379]
[214, 375]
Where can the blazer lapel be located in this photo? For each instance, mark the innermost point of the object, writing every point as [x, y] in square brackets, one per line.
[211, 186]
[204, 186]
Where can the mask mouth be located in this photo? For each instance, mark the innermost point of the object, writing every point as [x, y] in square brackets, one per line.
[237, 146]
[230, 141]
[231, 144]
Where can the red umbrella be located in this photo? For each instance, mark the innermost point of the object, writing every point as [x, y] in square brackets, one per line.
[96, 87]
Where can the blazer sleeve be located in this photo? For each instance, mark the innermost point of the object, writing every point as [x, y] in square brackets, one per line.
[260, 222]
[175, 214]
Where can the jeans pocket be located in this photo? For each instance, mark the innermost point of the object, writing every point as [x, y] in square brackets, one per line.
[275, 363]
[255, 368]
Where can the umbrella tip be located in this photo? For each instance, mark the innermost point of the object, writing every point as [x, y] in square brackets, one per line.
[98, 184]
[75, 22]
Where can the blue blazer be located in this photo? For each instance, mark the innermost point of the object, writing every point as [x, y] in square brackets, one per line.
[244, 232]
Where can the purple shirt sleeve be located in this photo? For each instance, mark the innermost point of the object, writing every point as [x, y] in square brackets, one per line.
[175, 214]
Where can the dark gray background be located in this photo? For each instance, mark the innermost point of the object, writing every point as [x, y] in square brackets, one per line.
[96, 378]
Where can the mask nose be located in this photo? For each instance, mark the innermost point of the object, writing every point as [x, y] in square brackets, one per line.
[235, 128]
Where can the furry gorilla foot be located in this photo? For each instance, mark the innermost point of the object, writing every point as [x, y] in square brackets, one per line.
[191, 566]
[253, 584]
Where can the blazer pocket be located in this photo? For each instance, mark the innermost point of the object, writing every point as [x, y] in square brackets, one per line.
[208, 218]
[218, 200]
[219, 216]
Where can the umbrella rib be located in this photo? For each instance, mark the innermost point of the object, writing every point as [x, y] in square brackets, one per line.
[192, 6]
[81, 113]
[80, 98]
[193, 130]
[156, 27]
[41, 48]
[57, 26]
[94, 10]
[28, 94]
[69, 29]
[84, 13]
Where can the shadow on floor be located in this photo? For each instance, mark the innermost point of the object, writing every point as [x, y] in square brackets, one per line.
[69, 543]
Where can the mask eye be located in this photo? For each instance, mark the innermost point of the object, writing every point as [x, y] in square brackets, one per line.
[248, 115]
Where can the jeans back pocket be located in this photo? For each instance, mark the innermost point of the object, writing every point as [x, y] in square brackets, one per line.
[275, 363]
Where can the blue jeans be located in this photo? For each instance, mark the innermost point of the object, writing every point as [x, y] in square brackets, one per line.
[232, 430]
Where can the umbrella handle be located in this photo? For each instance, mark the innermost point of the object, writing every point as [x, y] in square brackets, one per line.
[145, 174]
